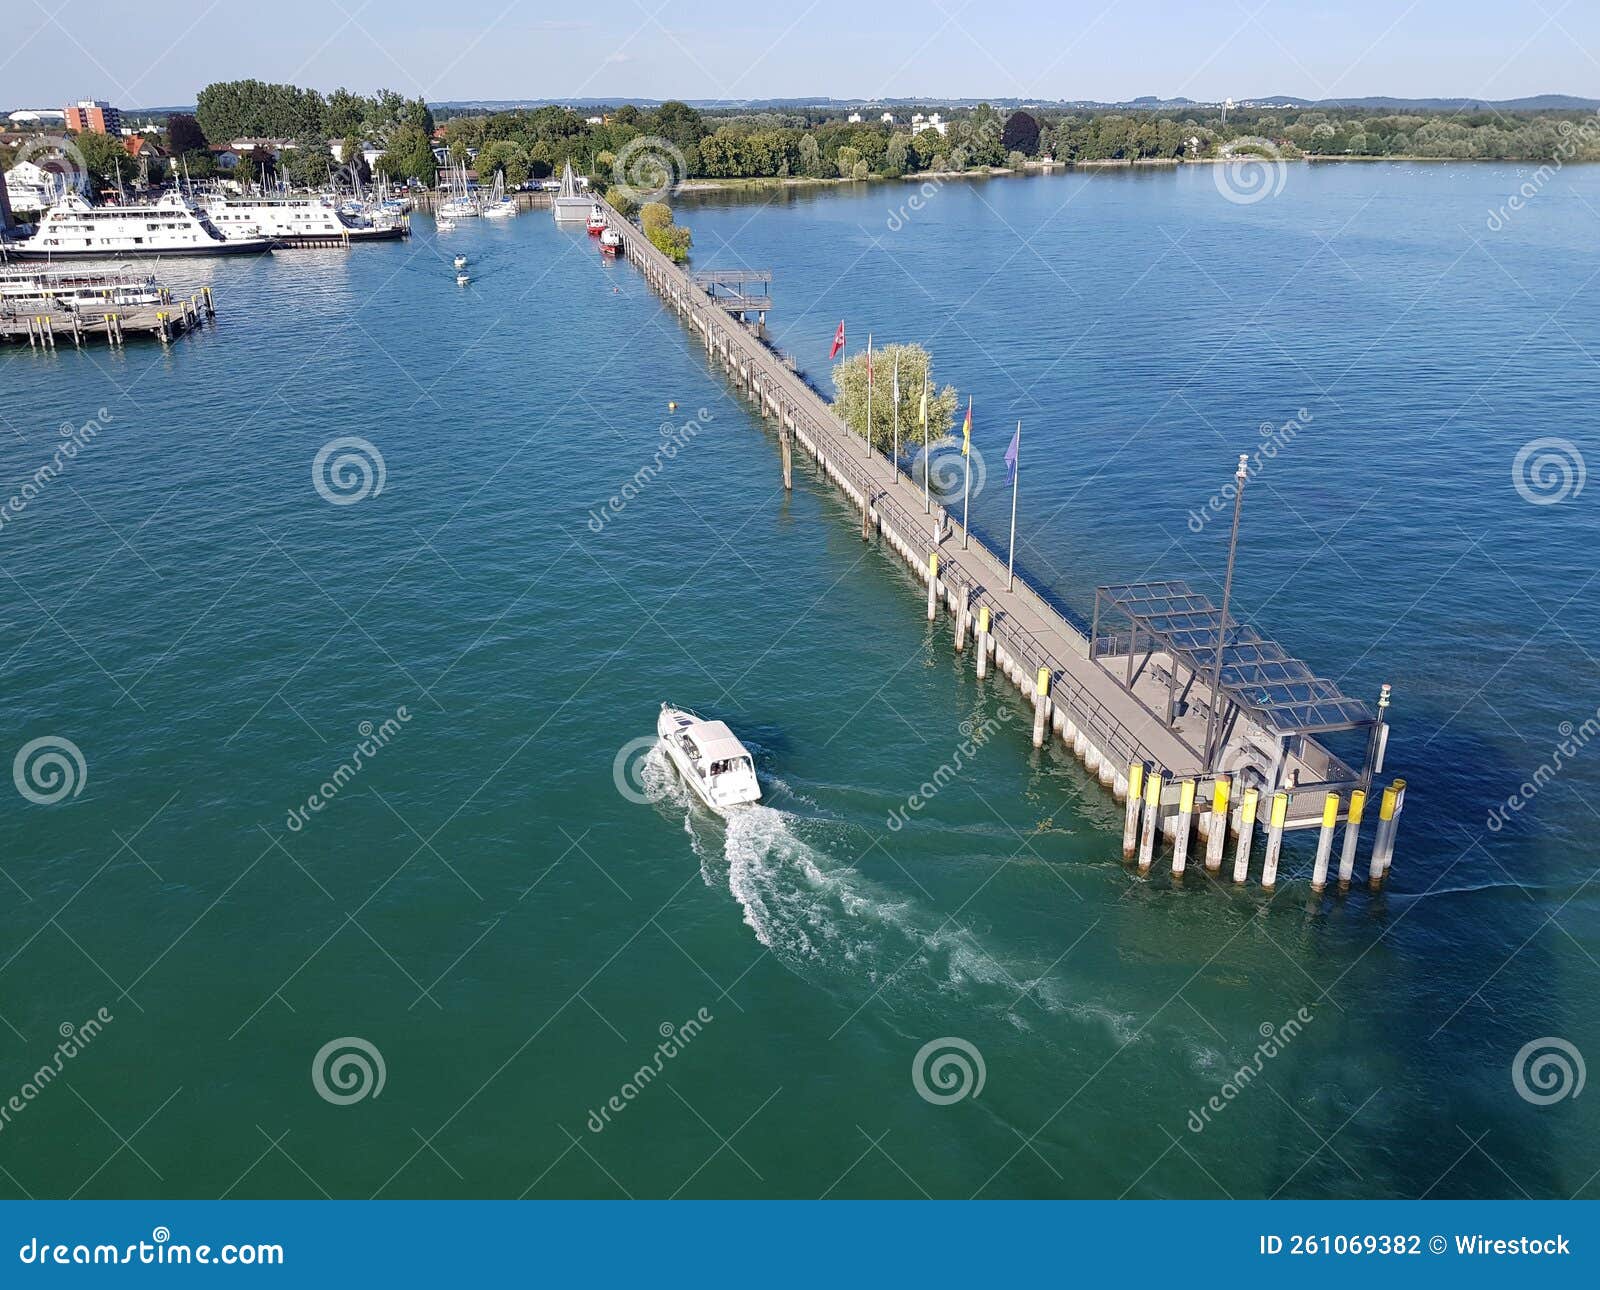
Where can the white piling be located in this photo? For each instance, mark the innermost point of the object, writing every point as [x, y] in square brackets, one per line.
[1269, 862]
[1180, 839]
[1130, 823]
[1247, 832]
[933, 585]
[983, 641]
[1217, 831]
[1152, 816]
[1330, 819]
[1041, 707]
[1352, 832]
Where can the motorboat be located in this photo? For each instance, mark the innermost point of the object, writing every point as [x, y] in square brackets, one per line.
[610, 242]
[460, 262]
[463, 278]
[597, 221]
[710, 758]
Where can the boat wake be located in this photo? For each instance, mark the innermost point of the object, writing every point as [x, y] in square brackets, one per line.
[834, 926]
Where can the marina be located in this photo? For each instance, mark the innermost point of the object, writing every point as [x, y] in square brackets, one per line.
[1259, 762]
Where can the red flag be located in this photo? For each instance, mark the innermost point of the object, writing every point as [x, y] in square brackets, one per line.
[838, 342]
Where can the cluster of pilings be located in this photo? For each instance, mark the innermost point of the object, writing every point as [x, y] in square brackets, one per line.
[166, 322]
[1157, 803]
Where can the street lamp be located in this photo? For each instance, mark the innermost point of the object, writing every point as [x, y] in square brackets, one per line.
[1212, 755]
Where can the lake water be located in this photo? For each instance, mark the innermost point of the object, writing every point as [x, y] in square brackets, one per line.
[516, 938]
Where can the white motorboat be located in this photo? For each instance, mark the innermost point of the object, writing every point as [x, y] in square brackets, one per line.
[710, 757]
[463, 278]
[305, 219]
[461, 262]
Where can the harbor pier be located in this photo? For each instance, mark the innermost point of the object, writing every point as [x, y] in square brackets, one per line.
[1160, 692]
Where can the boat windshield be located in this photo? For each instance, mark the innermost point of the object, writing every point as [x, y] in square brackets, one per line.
[731, 764]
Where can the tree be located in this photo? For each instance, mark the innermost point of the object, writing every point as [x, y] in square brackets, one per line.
[104, 157]
[184, 134]
[409, 156]
[896, 156]
[1021, 134]
[850, 401]
[846, 160]
[671, 239]
[811, 163]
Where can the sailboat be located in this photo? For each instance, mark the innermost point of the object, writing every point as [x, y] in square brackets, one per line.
[461, 203]
[499, 206]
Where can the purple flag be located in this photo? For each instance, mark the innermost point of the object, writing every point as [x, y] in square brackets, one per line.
[1011, 455]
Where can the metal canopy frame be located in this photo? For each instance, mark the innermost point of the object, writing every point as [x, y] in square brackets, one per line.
[1281, 692]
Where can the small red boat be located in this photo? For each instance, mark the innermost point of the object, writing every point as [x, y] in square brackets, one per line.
[597, 221]
[611, 242]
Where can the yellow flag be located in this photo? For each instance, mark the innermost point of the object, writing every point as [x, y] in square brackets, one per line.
[922, 414]
[966, 431]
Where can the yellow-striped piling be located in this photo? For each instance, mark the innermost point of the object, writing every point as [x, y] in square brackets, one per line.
[1130, 821]
[1180, 839]
[1269, 861]
[1330, 819]
[1217, 834]
[1247, 831]
[1152, 816]
[1352, 832]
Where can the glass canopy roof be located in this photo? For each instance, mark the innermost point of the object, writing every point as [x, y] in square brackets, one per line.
[1258, 674]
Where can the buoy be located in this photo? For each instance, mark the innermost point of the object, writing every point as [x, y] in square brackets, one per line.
[672, 407]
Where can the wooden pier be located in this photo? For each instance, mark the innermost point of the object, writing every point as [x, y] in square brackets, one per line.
[1117, 709]
[42, 327]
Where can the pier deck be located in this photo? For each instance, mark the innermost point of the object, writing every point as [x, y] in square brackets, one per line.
[50, 328]
[1110, 725]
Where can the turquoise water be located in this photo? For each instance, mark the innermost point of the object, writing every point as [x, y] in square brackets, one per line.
[511, 931]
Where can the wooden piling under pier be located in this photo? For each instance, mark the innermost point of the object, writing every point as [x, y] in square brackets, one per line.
[48, 328]
[1031, 643]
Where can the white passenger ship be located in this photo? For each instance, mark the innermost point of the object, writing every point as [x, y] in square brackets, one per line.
[172, 225]
[306, 220]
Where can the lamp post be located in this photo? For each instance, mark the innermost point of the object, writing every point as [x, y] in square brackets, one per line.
[1212, 755]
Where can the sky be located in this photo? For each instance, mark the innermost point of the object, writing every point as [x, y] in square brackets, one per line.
[159, 53]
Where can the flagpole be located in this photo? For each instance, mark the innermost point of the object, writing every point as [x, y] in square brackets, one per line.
[894, 461]
[966, 480]
[866, 439]
[1016, 475]
[927, 504]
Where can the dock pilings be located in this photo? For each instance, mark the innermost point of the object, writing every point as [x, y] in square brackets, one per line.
[1130, 818]
[1217, 827]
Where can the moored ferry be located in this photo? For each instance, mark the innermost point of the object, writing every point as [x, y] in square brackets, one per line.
[171, 225]
[306, 220]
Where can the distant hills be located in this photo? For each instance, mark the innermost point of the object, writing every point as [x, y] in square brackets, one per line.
[1144, 103]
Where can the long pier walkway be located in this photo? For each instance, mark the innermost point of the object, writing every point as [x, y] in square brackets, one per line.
[1032, 643]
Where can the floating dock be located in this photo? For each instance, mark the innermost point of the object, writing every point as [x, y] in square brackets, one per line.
[1129, 693]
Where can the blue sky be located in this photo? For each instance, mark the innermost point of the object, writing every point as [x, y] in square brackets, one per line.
[158, 53]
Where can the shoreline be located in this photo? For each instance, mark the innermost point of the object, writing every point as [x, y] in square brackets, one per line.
[760, 183]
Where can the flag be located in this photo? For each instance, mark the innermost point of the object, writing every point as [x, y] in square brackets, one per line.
[966, 430]
[894, 382]
[838, 342]
[922, 414]
[1011, 454]
[869, 362]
